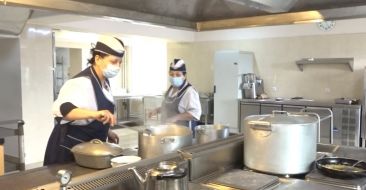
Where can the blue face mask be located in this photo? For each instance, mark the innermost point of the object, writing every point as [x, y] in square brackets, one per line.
[176, 81]
[111, 71]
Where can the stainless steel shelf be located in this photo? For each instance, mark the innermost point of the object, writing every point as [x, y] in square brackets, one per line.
[308, 61]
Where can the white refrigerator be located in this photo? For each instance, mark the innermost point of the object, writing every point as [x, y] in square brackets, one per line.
[229, 65]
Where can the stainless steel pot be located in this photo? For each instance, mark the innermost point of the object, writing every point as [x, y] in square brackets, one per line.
[95, 154]
[161, 139]
[208, 133]
[167, 176]
[281, 143]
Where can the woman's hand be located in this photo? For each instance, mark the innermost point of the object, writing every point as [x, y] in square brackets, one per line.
[113, 137]
[153, 113]
[106, 117]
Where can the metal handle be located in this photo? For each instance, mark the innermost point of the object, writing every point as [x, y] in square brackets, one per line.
[318, 117]
[260, 125]
[329, 116]
[274, 112]
[96, 141]
[166, 140]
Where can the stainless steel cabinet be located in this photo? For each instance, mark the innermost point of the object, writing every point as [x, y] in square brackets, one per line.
[269, 108]
[347, 125]
[247, 109]
[291, 108]
[325, 124]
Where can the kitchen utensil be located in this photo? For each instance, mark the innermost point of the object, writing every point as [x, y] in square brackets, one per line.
[280, 143]
[161, 139]
[167, 176]
[208, 133]
[343, 168]
[95, 154]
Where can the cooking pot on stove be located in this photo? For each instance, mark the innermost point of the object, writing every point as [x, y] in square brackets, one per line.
[95, 154]
[162, 139]
[167, 176]
[280, 143]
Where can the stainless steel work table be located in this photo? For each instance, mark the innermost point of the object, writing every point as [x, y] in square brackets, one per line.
[46, 175]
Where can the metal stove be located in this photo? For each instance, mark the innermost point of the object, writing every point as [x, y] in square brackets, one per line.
[316, 176]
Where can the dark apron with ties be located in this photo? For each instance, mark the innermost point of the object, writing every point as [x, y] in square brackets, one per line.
[170, 108]
[65, 136]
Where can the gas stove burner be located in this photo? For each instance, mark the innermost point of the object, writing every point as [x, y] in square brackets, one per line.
[357, 184]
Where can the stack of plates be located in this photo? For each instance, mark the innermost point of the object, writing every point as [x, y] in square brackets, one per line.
[123, 160]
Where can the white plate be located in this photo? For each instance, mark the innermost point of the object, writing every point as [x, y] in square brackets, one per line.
[123, 160]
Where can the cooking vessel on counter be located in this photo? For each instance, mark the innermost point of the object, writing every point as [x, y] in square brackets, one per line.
[167, 176]
[161, 139]
[208, 133]
[343, 168]
[95, 154]
[280, 143]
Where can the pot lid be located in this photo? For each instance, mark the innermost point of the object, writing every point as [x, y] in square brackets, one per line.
[97, 148]
[285, 118]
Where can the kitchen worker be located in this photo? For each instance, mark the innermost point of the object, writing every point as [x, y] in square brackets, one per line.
[84, 107]
[181, 104]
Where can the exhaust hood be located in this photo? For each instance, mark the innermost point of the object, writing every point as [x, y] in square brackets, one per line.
[13, 19]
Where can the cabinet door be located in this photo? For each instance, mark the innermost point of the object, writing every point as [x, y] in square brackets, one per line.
[269, 108]
[246, 110]
[346, 126]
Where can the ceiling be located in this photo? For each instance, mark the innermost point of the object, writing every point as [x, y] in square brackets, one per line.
[201, 15]
[207, 10]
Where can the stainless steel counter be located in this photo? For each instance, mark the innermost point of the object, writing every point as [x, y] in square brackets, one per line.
[39, 176]
[112, 178]
[301, 102]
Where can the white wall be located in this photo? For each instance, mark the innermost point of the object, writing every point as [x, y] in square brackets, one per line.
[276, 54]
[37, 91]
[10, 84]
[147, 60]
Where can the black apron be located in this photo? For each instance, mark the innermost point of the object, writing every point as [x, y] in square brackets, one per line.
[65, 136]
[170, 106]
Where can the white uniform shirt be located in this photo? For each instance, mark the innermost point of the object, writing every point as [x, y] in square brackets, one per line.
[80, 92]
[190, 102]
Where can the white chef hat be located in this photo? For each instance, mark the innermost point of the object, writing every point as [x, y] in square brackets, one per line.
[178, 65]
[110, 45]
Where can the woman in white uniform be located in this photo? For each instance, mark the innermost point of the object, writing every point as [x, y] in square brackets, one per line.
[84, 108]
[181, 104]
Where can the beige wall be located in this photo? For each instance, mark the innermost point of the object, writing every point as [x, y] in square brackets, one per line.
[275, 63]
[75, 62]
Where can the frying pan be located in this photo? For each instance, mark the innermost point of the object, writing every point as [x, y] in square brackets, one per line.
[343, 168]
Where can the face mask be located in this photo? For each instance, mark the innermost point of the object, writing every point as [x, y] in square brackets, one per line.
[111, 71]
[176, 81]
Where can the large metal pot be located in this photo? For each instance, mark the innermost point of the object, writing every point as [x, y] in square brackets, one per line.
[95, 154]
[208, 133]
[281, 143]
[161, 139]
